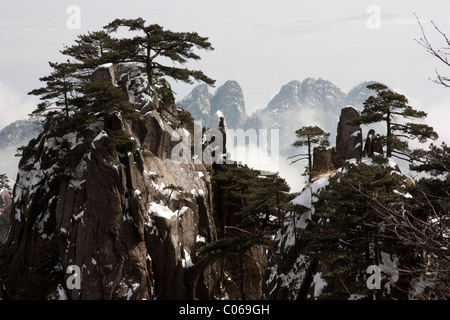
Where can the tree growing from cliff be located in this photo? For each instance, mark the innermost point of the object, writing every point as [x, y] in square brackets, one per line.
[4, 182]
[309, 136]
[389, 107]
[91, 49]
[149, 47]
[251, 209]
[347, 234]
[155, 51]
[154, 43]
[59, 92]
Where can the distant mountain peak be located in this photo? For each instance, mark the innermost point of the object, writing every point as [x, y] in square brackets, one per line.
[198, 101]
[18, 132]
[310, 92]
[313, 101]
[358, 94]
[228, 99]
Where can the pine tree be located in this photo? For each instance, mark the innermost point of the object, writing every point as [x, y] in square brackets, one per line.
[310, 136]
[147, 50]
[91, 49]
[155, 42]
[100, 99]
[427, 222]
[251, 209]
[4, 182]
[60, 90]
[346, 233]
[388, 106]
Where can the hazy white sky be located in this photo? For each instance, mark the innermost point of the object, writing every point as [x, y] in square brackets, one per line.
[261, 44]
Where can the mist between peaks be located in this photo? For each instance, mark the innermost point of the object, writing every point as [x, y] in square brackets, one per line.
[218, 146]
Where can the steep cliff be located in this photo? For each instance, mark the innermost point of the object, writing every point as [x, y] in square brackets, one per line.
[325, 246]
[347, 247]
[127, 216]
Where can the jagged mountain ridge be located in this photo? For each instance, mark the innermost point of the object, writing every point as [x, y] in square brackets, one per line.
[13, 136]
[20, 131]
[320, 93]
[298, 103]
[228, 100]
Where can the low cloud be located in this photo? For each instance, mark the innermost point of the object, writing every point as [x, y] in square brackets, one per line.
[13, 105]
[438, 114]
[256, 157]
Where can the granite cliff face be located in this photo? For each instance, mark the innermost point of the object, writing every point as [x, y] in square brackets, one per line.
[128, 217]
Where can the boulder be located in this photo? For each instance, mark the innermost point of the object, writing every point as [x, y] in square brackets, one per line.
[105, 72]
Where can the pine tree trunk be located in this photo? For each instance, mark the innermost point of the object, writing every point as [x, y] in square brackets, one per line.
[149, 71]
[309, 159]
[388, 135]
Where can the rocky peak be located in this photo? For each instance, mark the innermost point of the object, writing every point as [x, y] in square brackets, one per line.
[310, 92]
[105, 72]
[348, 139]
[229, 99]
[127, 216]
[358, 94]
[13, 136]
[18, 132]
[198, 103]
[348, 143]
[287, 96]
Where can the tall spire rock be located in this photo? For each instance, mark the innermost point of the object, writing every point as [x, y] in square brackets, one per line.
[348, 139]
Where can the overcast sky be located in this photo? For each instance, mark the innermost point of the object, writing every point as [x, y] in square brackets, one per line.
[261, 44]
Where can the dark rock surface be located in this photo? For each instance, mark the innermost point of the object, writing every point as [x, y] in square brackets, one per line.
[348, 139]
[129, 217]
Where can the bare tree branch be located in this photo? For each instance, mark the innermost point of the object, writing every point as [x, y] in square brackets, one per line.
[442, 54]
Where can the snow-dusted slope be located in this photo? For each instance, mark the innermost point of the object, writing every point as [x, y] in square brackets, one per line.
[128, 216]
[293, 275]
[228, 100]
[13, 136]
[298, 103]
[288, 267]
